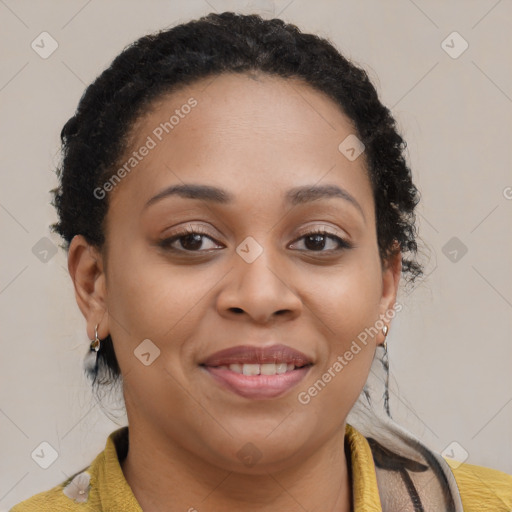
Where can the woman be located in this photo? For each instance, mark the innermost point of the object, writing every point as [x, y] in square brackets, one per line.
[238, 215]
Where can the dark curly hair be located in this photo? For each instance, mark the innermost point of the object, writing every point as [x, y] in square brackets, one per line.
[94, 139]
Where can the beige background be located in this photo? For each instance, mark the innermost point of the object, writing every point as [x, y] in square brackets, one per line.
[450, 348]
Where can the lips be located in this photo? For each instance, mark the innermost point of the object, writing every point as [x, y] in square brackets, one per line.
[258, 372]
[247, 354]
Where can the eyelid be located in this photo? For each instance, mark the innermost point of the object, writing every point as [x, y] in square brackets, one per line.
[199, 229]
[320, 229]
[184, 231]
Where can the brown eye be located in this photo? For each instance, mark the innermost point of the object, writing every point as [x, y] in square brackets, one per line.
[190, 239]
[317, 240]
[193, 240]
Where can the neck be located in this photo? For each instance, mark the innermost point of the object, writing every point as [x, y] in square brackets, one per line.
[172, 479]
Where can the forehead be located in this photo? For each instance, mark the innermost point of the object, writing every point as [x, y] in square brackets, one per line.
[253, 134]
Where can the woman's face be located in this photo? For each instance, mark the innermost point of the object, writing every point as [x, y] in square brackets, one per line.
[251, 277]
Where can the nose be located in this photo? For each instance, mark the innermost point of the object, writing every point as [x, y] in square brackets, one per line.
[259, 291]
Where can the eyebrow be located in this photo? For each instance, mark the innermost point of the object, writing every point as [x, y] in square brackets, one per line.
[294, 196]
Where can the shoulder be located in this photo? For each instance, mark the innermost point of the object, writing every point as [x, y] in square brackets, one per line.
[71, 495]
[44, 501]
[91, 489]
[482, 488]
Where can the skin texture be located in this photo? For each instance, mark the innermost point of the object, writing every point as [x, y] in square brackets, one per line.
[256, 136]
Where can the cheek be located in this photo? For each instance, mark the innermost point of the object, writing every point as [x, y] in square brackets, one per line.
[347, 303]
[138, 287]
[348, 309]
[348, 299]
[148, 298]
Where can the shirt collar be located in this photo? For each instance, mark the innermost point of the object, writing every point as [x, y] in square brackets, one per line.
[365, 492]
[115, 494]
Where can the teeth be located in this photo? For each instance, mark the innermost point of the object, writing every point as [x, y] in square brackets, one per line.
[281, 368]
[237, 368]
[268, 369]
[262, 369]
[251, 369]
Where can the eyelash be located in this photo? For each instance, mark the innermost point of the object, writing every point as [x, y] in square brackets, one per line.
[166, 243]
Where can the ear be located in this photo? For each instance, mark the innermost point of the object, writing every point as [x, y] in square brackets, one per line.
[391, 272]
[86, 268]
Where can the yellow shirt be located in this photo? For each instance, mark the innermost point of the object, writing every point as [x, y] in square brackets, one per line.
[101, 487]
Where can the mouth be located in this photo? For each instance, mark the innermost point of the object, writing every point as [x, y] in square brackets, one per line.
[258, 372]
